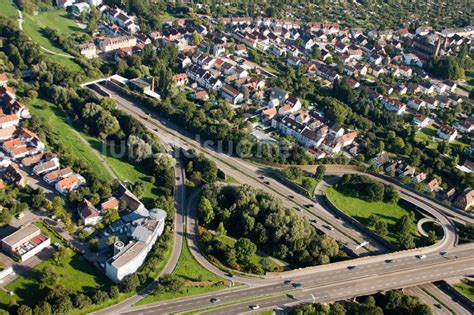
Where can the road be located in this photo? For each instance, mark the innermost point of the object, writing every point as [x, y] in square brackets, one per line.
[330, 285]
[250, 174]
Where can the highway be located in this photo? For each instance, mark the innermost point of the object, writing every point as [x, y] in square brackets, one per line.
[248, 173]
[338, 282]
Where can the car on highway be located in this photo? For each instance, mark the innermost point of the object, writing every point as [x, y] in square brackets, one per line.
[329, 227]
[351, 267]
[298, 209]
[297, 285]
[389, 261]
[444, 254]
[313, 220]
[437, 305]
[291, 197]
[155, 129]
[255, 306]
[261, 177]
[421, 257]
[309, 205]
[215, 300]
[287, 281]
[229, 275]
[266, 182]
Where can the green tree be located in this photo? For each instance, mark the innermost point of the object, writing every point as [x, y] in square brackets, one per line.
[205, 211]
[320, 172]
[244, 250]
[221, 231]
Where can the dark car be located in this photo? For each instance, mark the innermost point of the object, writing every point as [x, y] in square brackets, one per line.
[215, 300]
[287, 281]
[261, 177]
[291, 197]
[389, 261]
[351, 267]
[266, 182]
[309, 205]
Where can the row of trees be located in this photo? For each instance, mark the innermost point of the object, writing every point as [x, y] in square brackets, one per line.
[393, 302]
[249, 213]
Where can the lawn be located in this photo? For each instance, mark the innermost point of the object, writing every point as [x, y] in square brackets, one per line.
[388, 212]
[75, 274]
[312, 183]
[466, 288]
[58, 20]
[194, 276]
[65, 136]
[254, 259]
[53, 18]
[123, 168]
[8, 9]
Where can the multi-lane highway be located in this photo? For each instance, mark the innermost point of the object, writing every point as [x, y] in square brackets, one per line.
[335, 283]
[245, 172]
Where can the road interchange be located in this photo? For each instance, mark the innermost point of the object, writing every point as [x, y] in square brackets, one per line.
[251, 174]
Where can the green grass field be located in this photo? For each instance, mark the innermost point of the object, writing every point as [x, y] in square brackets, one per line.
[361, 211]
[46, 112]
[190, 271]
[466, 288]
[123, 168]
[56, 19]
[8, 9]
[254, 259]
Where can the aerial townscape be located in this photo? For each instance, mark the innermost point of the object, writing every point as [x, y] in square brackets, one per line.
[236, 157]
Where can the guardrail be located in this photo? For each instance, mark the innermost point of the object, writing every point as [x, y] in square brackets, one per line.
[450, 290]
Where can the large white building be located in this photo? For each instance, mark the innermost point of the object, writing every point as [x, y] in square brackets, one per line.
[144, 231]
[25, 242]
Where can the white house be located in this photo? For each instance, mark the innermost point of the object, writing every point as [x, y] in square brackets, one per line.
[447, 133]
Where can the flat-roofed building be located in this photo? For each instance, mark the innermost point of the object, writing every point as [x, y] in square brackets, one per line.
[127, 259]
[25, 242]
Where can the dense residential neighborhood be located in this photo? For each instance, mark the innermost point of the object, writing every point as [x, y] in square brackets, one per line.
[308, 158]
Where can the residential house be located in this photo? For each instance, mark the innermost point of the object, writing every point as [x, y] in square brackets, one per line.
[14, 175]
[394, 105]
[69, 184]
[88, 213]
[3, 79]
[109, 44]
[418, 178]
[88, 50]
[180, 79]
[420, 121]
[123, 19]
[447, 133]
[277, 97]
[111, 203]
[55, 176]
[465, 200]
[269, 113]
[416, 104]
[46, 167]
[9, 121]
[231, 94]
[432, 186]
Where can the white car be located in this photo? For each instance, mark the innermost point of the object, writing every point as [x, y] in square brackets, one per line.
[255, 307]
[421, 257]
